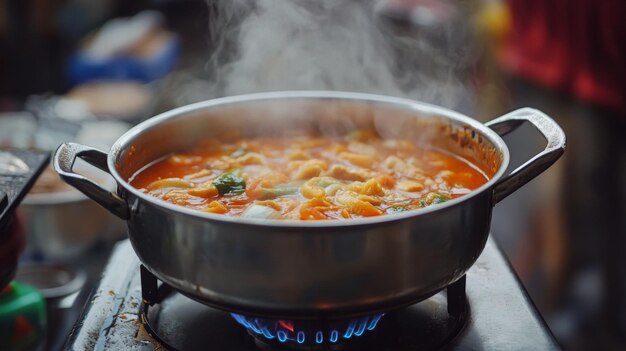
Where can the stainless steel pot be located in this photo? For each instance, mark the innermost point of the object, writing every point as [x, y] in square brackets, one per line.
[308, 269]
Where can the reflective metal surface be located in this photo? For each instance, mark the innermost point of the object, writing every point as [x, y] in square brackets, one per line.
[302, 269]
[501, 316]
[530, 169]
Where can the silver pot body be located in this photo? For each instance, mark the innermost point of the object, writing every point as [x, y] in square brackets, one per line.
[310, 269]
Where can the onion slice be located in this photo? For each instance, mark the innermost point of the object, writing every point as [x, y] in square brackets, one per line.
[260, 211]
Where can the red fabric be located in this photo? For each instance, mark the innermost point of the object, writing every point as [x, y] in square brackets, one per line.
[578, 46]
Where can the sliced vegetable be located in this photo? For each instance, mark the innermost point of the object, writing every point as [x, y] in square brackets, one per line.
[259, 211]
[410, 185]
[289, 188]
[205, 191]
[439, 198]
[326, 181]
[170, 183]
[433, 199]
[230, 183]
[238, 153]
[396, 209]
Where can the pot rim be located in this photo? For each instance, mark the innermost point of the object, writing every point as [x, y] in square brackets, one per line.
[408, 104]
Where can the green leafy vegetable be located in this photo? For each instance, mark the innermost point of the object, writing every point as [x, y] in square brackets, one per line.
[396, 209]
[230, 183]
[433, 199]
[438, 199]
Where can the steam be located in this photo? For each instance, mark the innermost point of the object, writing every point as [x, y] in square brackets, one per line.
[299, 44]
[269, 45]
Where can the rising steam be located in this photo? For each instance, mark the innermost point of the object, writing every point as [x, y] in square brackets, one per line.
[269, 45]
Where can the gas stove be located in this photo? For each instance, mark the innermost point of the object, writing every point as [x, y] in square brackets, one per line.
[487, 309]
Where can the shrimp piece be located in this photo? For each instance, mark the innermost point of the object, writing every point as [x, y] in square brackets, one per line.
[345, 173]
[366, 161]
[216, 207]
[170, 183]
[309, 169]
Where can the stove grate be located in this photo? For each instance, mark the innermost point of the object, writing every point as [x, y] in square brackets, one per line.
[329, 334]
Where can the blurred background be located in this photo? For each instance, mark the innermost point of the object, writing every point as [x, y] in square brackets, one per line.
[87, 70]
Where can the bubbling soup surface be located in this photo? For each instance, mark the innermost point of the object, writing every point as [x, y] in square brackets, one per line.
[309, 177]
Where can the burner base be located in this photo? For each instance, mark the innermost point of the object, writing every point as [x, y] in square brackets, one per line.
[263, 345]
[427, 325]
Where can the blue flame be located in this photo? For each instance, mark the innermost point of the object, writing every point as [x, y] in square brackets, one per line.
[334, 336]
[268, 334]
[374, 321]
[350, 330]
[254, 328]
[361, 329]
[319, 337]
[307, 332]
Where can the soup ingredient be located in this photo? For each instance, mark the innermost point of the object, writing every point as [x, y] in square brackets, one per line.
[230, 183]
[309, 177]
[289, 188]
[259, 211]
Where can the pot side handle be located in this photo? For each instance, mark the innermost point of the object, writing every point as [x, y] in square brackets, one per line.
[63, 163]
[530, 169]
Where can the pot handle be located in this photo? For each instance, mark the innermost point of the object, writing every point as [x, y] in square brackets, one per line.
[530, 169]
[63, 162]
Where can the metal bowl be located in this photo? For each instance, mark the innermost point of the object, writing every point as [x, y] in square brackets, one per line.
[62, 225]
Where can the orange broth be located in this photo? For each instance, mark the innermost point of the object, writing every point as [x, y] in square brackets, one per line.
[309, 178]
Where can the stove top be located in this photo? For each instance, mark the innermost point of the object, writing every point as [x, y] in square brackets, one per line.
[18, 171]
[498, 315]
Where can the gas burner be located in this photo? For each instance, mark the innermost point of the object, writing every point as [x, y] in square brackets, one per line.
[428, 325]
[298, 334]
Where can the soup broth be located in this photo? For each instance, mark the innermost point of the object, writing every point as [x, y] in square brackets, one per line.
[309, 177]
